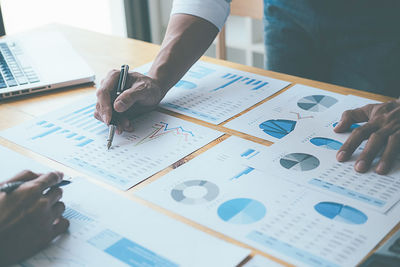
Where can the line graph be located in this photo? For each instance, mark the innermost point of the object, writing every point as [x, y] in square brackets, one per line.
[299, 117]
[162, 128]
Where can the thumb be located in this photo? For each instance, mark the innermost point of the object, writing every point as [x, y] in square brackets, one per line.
[127, 99]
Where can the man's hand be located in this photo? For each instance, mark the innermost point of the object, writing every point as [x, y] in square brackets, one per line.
[30, 216]
[143, 94]
[382, 131]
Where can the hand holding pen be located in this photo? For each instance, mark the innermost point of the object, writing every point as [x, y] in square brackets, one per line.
[141, 94]
[114, 95]
[31, 214]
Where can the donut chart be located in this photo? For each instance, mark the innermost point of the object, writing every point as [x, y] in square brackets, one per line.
[195, 192]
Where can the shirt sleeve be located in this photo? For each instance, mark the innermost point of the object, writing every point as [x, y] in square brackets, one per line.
[214, 11]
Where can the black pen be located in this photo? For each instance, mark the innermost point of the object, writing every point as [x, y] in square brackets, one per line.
[114, 117]
[11, 186]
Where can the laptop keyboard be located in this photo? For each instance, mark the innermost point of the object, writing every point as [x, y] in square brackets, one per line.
[15, 69]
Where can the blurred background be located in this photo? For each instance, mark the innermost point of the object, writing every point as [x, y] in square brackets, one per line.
[140, 19]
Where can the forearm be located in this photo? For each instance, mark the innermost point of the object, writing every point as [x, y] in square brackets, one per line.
[186, 40]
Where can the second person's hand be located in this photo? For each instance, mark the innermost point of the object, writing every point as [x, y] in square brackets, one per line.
[142, 94]
[382, 130]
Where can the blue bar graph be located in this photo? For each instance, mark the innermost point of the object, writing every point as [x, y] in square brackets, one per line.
[128, 251]
[50, 128]
[64, 131]
[76, 112]
[247, 152]
[260, 86]
[103, 132]
[71, 135]
[77, 117]
[247, 170]
[289, 250]
[88, 141]
[233, 78]
[72, 214]
[227, 84]
[249, 82]
[46, 133]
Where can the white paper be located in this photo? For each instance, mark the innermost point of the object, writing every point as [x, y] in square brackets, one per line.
[224, 189]
[316, 166]
[260, 261]
[285, 113]
[214, 93]
[13, 163]
[108, 229]
[75, 138]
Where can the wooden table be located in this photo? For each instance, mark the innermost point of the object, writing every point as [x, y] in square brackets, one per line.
[104, 53]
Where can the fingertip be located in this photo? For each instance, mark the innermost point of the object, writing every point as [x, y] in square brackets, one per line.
[119, 130]
[61, 226]
[338, 127]
[382, 168]
[341, 156]
[361, 166]
[105, 119]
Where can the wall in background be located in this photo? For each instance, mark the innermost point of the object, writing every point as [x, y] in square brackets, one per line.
[105, 16]
[244, 36]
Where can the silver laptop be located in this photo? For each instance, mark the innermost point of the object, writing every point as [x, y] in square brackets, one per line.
[41, 61]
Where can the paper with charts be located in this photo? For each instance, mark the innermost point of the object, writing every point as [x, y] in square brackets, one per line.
[102, 235]
[214, 93]
[311, 161]
[279, 216]
[300, 107]
[73, 137]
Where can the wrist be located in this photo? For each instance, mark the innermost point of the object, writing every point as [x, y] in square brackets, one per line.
[161, 78]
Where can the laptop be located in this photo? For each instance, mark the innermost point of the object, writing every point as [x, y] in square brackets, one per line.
[39, 61]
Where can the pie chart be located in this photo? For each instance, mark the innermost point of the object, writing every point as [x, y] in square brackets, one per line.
[299, 162]
[316, 103]
[195, 192]
[278, 128]
[241, 211]
[341, 213]
[326, 143]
